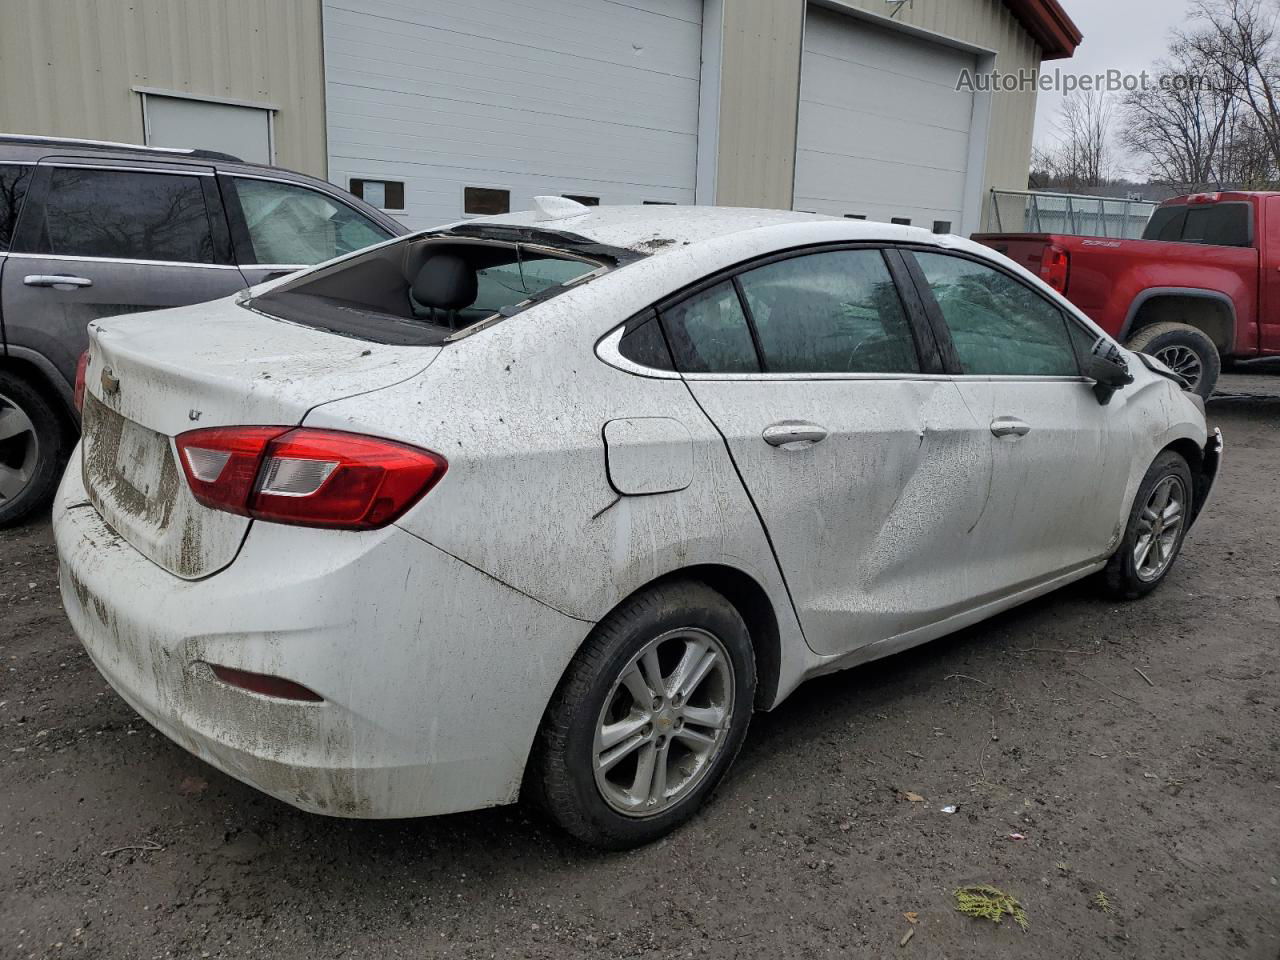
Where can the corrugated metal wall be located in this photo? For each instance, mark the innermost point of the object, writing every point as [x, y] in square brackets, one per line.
[67, 67]
[761, 78]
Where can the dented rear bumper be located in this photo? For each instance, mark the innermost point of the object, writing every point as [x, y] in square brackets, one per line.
[428, 705]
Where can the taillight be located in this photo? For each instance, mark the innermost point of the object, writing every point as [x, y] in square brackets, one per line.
[308, 477]
[1055, 267]
[82, 366]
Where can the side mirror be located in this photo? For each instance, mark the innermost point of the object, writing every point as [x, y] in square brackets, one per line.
[1107, 368]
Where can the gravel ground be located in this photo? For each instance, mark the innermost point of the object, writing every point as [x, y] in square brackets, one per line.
[1163, 797]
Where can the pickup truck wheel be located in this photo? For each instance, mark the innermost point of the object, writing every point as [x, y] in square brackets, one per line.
[32, 449]
[1185, 350]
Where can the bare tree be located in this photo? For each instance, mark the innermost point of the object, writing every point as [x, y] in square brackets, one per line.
[1181, 125]
[1082, 155]
[1239, 38]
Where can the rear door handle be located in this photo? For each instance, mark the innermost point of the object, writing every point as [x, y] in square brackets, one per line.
[1009, 428]
[59, 281]
[794, 434]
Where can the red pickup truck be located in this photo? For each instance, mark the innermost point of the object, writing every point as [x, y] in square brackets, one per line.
[1201, 286]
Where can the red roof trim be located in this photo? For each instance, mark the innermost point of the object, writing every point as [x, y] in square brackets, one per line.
[1048, 25]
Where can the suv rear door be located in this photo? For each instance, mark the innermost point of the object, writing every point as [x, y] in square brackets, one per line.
[100, 237]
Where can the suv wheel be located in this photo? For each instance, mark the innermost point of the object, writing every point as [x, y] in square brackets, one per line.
[32, 449]
[648, 719]
[1185, 350]
[1157, 526]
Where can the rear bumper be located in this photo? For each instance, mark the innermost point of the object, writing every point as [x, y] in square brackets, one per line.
[434, 675]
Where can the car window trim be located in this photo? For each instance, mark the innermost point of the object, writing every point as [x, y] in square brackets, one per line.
[920, 337]
[943, 332]
[147, 263]
[608, 348]
[242, 242]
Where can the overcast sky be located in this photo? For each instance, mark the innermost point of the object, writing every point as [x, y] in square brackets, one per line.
[1126, 35]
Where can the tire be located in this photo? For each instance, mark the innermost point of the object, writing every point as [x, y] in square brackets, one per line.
[1186, 350]
[614, 814]
[1124, 578]
[32, 459]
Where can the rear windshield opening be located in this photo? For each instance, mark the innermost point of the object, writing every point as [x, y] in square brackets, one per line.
[1213, 224]
[424, 290]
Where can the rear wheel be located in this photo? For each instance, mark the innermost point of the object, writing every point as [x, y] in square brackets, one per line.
[648, 719]
[32, 449]
[1185, 350]
[1157, 525]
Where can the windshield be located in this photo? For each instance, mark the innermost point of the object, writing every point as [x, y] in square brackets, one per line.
[424, 290]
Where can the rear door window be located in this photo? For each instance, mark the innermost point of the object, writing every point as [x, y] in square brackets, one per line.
[708, 333]
[121, 214]
[293, 225]
[14, 180]
[832, 312]
[999, 326]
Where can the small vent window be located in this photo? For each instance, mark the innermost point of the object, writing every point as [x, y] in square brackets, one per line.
[386, 194]
[485, 201]
[584, 200]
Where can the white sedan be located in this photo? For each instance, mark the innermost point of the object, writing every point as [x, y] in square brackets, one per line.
[549, 503]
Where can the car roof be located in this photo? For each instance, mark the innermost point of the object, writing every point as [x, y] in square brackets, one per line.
[661, 228]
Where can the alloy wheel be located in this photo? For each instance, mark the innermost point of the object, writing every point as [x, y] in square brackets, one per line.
[664, 723]
[19, 449]
[1183, 361]
[1159, 527]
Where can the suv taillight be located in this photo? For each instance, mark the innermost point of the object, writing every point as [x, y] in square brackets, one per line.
[307, 477]
[82, 367]
[1055, 267]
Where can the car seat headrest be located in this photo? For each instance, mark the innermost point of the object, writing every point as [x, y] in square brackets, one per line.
[445, 282]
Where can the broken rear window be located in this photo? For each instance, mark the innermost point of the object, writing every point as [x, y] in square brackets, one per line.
[426, 290]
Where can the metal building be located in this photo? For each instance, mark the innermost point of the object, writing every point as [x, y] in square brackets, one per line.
[435, 109]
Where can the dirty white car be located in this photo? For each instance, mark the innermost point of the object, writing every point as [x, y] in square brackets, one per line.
[552, 502]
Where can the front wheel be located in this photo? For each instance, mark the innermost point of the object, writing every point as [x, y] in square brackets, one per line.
[1157, 526]
[1185, 350]
[648, 718]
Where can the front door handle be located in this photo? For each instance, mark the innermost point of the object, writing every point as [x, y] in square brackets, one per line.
[794, 434]
[59, 281]
[1009, 428]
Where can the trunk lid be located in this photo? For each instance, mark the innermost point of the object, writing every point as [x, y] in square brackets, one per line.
[152, 376]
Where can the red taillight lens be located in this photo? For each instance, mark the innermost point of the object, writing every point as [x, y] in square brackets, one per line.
[1055, 268]
[82, 366]
[222, 464]
[315, 478]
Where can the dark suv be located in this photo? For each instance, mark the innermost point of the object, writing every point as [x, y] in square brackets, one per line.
[90, 229]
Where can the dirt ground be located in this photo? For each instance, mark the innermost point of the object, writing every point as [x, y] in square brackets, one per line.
[1162, 796]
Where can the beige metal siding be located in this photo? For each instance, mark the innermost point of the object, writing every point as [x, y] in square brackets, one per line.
[68, 66]
[760, 89]
[761, 78]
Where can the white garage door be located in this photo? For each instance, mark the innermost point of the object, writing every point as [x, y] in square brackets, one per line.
[498, 101]
[883, 132]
